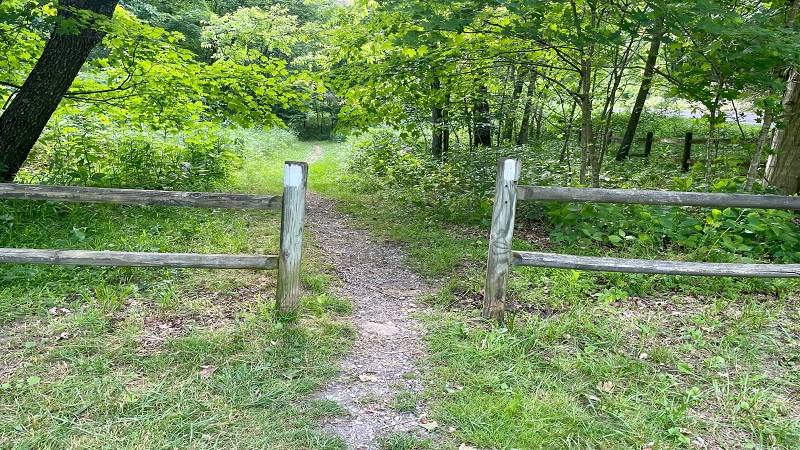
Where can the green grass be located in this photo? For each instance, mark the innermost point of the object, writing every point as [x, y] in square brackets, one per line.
[592, 360]
[96, 357]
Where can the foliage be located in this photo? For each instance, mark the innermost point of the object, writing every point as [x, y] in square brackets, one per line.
[95, 152]
[458, 190]
[716, 235]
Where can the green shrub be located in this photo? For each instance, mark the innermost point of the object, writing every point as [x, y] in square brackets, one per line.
[82, 151]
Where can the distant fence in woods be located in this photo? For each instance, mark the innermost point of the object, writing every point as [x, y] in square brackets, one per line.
[687, 142]
[502, 257]
[291, 204]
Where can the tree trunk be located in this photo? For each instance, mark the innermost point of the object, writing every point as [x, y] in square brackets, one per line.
[568, 133]
[437, 124]
[712, 127]
[61, 60]
[641, 97]
[483, 122]
[763, 136]
[588, 151]
[525, 126]
[783, 165]
[446, 123]
[538, 119]
[519, 82]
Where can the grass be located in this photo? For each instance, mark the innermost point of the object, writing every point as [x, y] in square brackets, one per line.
[592, 360]
[97, 357]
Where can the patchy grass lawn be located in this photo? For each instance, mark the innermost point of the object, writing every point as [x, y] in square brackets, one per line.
[94, 357]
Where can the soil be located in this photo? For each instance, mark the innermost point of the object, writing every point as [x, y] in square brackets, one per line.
[383, 362]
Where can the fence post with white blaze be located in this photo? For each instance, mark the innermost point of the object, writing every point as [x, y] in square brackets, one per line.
[295, 177]
[499, 261]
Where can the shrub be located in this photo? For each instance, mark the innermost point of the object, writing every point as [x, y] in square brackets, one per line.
[82, 151]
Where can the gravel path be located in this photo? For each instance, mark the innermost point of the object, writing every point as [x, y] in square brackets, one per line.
[382, 362]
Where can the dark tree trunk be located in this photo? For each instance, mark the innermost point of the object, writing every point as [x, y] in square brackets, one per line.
[446, 129]
[519, 82]
[525, 126]
[644, 90]
[483, 121]
[62, 59]
[538, 119]
[437, 123]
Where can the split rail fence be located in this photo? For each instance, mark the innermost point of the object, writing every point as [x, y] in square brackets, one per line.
[502, 257]
[291, 203]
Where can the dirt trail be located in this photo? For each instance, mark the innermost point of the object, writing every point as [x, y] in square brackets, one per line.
[382, 362]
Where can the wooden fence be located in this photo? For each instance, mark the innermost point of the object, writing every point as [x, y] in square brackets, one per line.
[502, 257]
[291, 204]
[687, 142]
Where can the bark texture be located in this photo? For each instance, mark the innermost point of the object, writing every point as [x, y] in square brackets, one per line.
[64, 54]
[783, 165]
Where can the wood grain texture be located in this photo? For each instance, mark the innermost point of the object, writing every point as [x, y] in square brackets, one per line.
[136, 259]
[644, 197]
[293, 214]
[656, 267]
[499, 260]
[138, 197]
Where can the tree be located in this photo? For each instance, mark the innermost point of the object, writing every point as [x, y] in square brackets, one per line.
[79, 29]
[641, 97]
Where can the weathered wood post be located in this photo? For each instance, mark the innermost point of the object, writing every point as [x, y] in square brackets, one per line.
[499, 261]
[687, 151]
[295, 176]
[648, 144]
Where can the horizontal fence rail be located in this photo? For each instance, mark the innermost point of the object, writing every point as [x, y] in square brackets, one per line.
[559, 261]
[137, 259]
[138, 197]
[665, 198]
[291, 203]
[501, 256]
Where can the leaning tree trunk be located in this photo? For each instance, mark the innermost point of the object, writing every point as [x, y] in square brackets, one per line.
[783, 165]
[641, 97]
[37, 99]
[755, 160]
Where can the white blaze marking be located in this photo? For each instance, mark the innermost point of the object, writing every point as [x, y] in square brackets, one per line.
[292, 175]
[511, 170]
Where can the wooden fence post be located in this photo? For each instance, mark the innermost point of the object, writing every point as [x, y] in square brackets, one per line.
[499, 261]
[648, 144]
[687, 151]
[295, 176]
